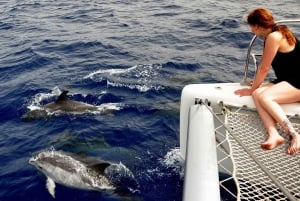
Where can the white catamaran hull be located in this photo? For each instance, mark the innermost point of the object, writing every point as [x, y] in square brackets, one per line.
[197, 133]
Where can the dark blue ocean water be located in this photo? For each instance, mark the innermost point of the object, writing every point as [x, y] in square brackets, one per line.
[134, 58]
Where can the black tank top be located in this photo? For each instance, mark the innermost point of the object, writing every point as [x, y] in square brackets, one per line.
[287, 66]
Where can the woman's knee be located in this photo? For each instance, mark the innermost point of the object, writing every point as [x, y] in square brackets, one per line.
[256, 94]
[261, 97]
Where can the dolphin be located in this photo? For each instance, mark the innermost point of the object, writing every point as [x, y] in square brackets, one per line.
[62, 104]
[72, 171]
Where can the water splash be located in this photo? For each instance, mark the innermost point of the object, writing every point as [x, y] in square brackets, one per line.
[110, 72]
[174, 161]
[122, 177]
[36, 104]
[142, 77]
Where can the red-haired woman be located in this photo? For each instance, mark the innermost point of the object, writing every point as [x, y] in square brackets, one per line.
[282, 52]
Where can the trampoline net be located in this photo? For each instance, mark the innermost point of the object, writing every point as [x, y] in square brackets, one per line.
[257, 174]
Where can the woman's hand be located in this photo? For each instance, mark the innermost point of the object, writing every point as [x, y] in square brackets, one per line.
[244, 92]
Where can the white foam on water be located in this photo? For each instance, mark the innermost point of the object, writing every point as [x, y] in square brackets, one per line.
[35, 103]
[174, 160]
[110, 71]
[142, 77]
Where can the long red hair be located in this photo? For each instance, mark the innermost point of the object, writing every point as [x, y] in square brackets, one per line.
[264, 18]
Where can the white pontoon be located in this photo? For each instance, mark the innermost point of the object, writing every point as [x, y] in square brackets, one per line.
[220, 136]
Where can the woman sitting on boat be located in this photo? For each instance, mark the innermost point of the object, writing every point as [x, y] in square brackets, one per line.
[282, 52]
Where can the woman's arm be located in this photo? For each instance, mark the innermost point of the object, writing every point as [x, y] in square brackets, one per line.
[272, 45]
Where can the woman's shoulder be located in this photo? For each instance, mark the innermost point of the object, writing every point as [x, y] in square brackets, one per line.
[274, 39]
[275, 36]
[278, 41]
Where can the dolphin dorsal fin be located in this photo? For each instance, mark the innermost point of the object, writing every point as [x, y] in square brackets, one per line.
[62, 96]
[99, 167]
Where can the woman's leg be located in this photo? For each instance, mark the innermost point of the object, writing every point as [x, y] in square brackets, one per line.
[270, 98]
[273, 138]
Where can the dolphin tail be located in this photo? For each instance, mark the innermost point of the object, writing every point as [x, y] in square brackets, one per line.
[62, 96]
[51, 186]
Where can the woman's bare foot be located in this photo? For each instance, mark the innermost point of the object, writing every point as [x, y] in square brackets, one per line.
[272, 142]
[294, 145]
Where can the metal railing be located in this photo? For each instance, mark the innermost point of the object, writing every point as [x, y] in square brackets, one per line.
[250, 55]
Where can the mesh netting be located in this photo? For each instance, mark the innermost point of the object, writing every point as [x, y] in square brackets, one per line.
[257, 173]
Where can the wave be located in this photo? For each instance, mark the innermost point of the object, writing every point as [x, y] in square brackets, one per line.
[174, 161]
[110, 71]
[142, 77]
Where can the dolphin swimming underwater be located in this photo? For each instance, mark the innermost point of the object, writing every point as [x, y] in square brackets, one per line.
[62, 104]
[72, 171]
